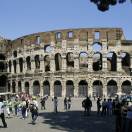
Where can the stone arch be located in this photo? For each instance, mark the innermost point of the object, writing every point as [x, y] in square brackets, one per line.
[112, 88]
[37, 61]
[126, 87]
[97, 61]
[3, 82]
[97, 47]
[126, 61]
[70, 59]
[46, 88]
[57, 88]
[97, 88]
[13, 87]
[2, 66]
[19, 86]
[47, 63]
[83, 88]
[36, 88]
[58, 62]
[21, 64]
[112, 61]
[83, 60]
[2, 57]
[28, 61]
[27, 87]
[69, 88]
[48, 48]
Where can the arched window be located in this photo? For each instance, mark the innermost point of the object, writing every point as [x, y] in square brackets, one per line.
[21, 64]
[58, 62]
[83, 60]
[57, 89]
[36, 88]
[37, 62]
[28, 61]
[47, 63]
[69, 88]
[70, 59]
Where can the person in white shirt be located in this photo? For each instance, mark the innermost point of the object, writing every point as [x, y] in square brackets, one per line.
[2, 116]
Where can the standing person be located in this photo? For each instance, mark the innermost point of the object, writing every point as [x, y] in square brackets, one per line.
[98, 106]
[104, 107]
[69, 103]
[87, 104]
[42, 102]
[34, 109]
[65, 103]
[55, 100]
[23, 104]
[2, 115]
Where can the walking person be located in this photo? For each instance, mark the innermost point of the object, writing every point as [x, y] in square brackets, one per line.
[34, 109]
[98, 106]
[2, 115]
[65, 103]
[55, 100]
[42, 102]
[104, 107]
[69, 103]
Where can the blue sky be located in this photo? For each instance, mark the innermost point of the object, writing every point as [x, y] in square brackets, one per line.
[22, 17]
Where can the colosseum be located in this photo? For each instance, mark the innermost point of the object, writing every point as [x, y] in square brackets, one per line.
[70, 62]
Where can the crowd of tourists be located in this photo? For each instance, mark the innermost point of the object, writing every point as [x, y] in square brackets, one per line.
[25, 106]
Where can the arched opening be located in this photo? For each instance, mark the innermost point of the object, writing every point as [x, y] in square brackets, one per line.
[111, 88]
[21, 64]
[14, 64]
[13, 87]
[15, 54]
[46, 88]
[126, 87]
[36, 88]
[57, 89]
[70, 59]
[83, 88]
[3, 81]
[9, 87]
[58, 62]
[97, 61]
[19, 87]
[83, 60]
[112, 61]
[97, 47]
[48, 48]
[28, 61]
[37, 62]
[97, 88]
[27, 87]
[69, 89]
[2, 66]
[47, 63]
[2, 57]
[10, 66]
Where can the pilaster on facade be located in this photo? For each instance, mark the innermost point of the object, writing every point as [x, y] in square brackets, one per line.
[64, 62]
[63, 88]
[52, 63]
[119, 66]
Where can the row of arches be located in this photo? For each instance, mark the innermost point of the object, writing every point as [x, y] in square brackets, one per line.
[83, 90]
[83, 61]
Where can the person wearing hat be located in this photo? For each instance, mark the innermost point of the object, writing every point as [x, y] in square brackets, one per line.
[2, 115]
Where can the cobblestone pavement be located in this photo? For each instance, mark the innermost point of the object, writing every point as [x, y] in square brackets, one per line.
[64, 121]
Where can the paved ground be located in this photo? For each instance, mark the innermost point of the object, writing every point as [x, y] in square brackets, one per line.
[64, 121]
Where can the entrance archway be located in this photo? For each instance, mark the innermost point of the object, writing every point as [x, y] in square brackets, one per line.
[83, 88]
[111, 88]
[13, 87]
[19, 86]
[57, 89]
[126, 87]
[69, 88]
[46, 88]
[97, 88]
[36, 88]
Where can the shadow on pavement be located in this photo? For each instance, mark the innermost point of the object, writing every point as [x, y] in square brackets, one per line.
[76, 121]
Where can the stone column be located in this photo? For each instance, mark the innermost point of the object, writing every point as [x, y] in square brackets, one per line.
[23, 86]
[30, 87]
[16, 86]
[63, 88]
[76, 88]
[119, 85]
[32, 64]
[90, 87]
[104, 85]
[119, 67]
[64, 62]
[41, 88]
[52, 87]
[90, 56]
[42, 65]
[76, 62]
[52, 63]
